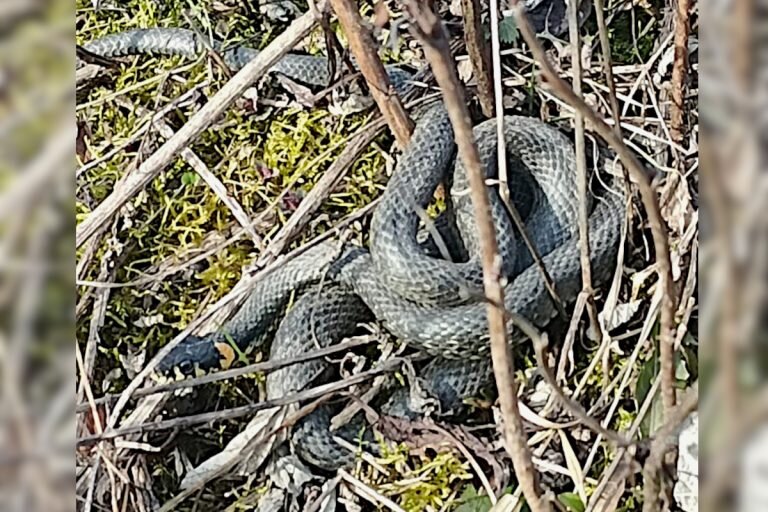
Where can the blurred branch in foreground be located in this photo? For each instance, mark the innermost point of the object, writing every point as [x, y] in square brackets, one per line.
[36, 145]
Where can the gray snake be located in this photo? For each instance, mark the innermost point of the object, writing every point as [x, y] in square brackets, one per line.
[430, 302]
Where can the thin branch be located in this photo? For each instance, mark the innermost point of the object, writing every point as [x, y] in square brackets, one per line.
[246, 410]
[605, 48]
[363, 47]
[581, 169]
[263, 367]
[479, 55]
[679, 70]
[205, 173]
[134, 182]
[647, 194]
[501, 143]
[429, 30]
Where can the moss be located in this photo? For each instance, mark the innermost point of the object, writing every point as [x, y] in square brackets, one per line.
[426, 483]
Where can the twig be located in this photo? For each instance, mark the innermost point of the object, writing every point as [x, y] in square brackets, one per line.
[581, 169]
[647, 194]
[605, 48]
[363, 47]
[479, 56]
[663, 440]
[428, 28]
[237, 412]
[199, 122]
[263, 367]
[680, 69]
[501, 143]
[368, 493]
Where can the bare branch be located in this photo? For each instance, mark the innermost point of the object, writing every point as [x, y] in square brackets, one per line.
[263, 367]
[605, 48]
[479, 55]
[581, 168]
[680, 69]
[363, 47]
[246, 410]
[429, 29]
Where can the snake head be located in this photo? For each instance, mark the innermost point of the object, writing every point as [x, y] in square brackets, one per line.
[195, 356]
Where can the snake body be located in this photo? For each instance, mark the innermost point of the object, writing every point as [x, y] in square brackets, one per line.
[429, 302]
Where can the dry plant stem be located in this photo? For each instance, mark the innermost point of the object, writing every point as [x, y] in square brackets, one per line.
[429, 30]
[502, 162]
[264, 367]
[501, 142]
[679, 70]
[237, 412]
[478, 54]
[134, 182]
[647, 194]
[581, 170]
[369, 494]
[605, 48]
[364, 48]
[664, 439]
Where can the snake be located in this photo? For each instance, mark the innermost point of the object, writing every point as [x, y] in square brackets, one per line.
[428, 297]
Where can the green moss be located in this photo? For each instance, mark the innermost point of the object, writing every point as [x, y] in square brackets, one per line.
[423, 484]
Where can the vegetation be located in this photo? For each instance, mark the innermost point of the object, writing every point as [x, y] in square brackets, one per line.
[268, 155]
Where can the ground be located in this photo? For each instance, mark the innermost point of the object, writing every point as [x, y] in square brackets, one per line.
[176, 247]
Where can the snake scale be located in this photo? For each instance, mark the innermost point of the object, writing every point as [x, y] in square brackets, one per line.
[431, 301]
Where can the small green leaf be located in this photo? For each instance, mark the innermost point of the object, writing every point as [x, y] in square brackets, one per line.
[655, 417]
[571, 501]
[645, 379]
[189, 178]
[470, 501]
[507, 30]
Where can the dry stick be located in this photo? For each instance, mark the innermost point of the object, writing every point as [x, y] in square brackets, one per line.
[263, 367]
[647, 194]
[581, 171]
[679, 69]
[501, 142]
[246, 410]
[664, 439]
[364, 49]
[429, 29]
[134, 182]
[479, 55]
[605, 48]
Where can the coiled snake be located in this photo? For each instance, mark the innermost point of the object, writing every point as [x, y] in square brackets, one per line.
[426, 300]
